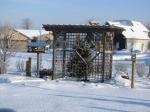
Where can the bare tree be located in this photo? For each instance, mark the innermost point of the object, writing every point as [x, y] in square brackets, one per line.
[26, 23]
[6, 46]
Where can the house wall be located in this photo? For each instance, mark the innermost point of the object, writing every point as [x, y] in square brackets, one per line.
[17, 41]
[138, 44]
[20, 41]
[20, 45]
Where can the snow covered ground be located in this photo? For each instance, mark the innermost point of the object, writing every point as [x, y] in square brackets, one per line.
[120, 55]
[47, 59]
[36, 95]
[24, 94]
[22, 56]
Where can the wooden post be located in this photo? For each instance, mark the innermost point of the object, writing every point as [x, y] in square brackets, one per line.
[53, 61]
[104, 48]
[64, 56]
[27, 63]
[38, 64]
[111, 55]
[133, 70]
[28, 67]
[87, 72]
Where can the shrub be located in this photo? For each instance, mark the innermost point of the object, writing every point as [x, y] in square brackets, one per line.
[20, 65]
[45, 72]
[79, 58]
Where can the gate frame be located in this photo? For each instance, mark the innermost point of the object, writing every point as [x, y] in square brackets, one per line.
[107, 33]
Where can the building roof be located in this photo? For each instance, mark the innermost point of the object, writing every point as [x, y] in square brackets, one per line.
[133, 29]
[32, 33]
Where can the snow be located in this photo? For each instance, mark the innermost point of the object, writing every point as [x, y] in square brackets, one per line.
[147, 62]
[5, 78]
[140, 26]
[71, 96]
[125, 55]
[32, 33]
[22, 56]
[122, 81]
[134, 34]
[133, 29]
[47, 59]
[19, 93]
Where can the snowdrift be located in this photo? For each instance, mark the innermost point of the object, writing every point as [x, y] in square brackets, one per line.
[120, 81]
[5, 78]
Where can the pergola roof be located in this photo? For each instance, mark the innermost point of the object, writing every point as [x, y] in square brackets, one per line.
[81, 28]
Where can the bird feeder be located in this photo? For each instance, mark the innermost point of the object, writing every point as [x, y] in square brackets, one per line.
[37, 47]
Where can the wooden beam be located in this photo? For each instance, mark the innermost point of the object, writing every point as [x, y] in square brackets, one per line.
[103, 65]
[64, 56]
[53, 60]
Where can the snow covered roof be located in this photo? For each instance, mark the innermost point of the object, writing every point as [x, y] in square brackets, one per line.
[133, 29]
[32, 33]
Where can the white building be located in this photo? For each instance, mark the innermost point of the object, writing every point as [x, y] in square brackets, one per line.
[134, 37]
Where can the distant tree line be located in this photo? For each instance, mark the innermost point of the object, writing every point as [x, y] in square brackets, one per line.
[26, 23]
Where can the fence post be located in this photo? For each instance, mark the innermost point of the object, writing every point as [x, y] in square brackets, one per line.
[38, 65]
[64, 56]
[87, 72]
[27, 71]
[28, 67]
[133, 57]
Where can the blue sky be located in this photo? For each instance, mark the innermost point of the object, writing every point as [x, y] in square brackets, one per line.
[72, 11]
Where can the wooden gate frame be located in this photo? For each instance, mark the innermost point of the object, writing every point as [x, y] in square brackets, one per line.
[107, 44]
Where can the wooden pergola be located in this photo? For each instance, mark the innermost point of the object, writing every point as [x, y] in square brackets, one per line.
[82, 51]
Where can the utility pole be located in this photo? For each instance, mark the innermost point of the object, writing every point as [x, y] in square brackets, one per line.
[133, 58]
